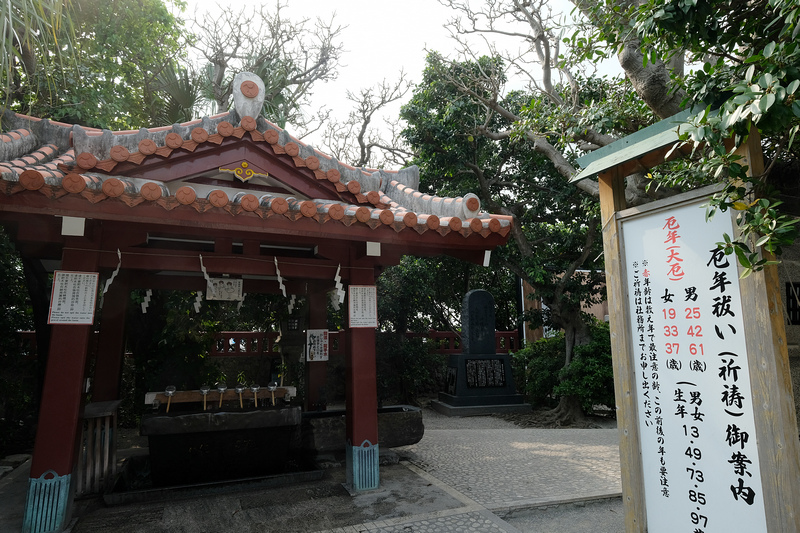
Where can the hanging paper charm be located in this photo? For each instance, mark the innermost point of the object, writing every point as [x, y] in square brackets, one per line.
[209, 283]
[280, 279]
[114, 274]
[339, 287]
[198, 301]
[146, 301]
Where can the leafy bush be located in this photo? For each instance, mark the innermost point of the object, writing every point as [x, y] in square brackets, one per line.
[536, 369]
[19, 367]
[406, 368]
[590, 376]
[540, 374]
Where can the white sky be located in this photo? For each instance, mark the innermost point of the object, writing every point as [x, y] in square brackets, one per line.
[381, 38]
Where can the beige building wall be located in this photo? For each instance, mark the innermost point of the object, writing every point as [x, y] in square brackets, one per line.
[530, 302]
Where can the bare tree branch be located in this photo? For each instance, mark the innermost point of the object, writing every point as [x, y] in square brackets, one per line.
[356, 140]
[290, 56]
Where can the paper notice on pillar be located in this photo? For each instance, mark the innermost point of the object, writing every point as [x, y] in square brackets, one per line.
[317, 345]
[363, 306]
[73, 298]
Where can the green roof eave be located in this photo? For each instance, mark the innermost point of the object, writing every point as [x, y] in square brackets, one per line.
[631, 149]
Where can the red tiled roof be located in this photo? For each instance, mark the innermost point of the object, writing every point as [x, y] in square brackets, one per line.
[382, 198]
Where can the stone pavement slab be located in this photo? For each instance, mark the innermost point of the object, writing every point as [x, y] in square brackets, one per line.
[298, 508]
[480, 474]
[508, 469]
[599, 516]
[13, 491]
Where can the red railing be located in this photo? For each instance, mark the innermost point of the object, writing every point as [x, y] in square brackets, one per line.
[449, 342]
[238, 343]
[247, 343]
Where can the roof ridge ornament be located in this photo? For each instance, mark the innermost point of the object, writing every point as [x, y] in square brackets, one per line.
[248, 94]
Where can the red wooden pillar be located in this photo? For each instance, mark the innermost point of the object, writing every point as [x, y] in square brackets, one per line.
[111, 344]
[48, 504]
[316, 371]
[362, 398]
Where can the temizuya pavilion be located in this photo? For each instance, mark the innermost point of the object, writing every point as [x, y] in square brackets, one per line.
[242, 194]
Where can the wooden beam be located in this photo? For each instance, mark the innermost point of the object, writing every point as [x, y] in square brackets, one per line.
[770, 377]
[210, 157]
[612, 200]
[276, 228]
[111, 341]
[57, 438]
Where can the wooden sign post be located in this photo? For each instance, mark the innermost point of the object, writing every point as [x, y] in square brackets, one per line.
[708, 433]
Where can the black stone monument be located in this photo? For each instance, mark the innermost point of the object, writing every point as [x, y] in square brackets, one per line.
[479, 381]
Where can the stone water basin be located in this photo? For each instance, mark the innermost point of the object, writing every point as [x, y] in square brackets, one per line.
[324, 431]
[198, 447]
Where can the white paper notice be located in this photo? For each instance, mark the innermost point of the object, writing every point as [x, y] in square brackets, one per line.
[227, 289]
[317, 345]
[363, 306]
[694, 401]
[73, 298]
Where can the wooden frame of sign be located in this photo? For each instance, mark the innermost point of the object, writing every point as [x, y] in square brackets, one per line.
[776, 453]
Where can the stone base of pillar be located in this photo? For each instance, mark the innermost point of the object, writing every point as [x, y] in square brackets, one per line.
[362, 467]
[47, 504]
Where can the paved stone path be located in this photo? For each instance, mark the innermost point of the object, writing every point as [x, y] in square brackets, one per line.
[505, 469]
[477, 474]
[506, 476]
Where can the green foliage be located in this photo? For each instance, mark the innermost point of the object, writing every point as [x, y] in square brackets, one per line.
[421, 294]
[34, 36]
[607, 106]
[120, 49]
[745, 60]
[751, 72]
[553, 220]
[170, 342]
[180, 88]
[18, 365]
[536, 369]
[540, 373]
[406, 369]
[761, 225]
[590, 376]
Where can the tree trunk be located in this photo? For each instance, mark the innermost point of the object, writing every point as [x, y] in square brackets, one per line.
[568, 412]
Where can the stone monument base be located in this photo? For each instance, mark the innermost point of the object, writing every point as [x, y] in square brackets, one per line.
[505, 404]
[479, 380]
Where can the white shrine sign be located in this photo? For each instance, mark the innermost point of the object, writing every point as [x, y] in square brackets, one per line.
[699, 453]
[73, 298]
[363, 306]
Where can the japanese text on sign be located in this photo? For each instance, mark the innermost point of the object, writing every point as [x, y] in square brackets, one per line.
[317, 344]
[363, 306]
[694, 401]
[73, 298]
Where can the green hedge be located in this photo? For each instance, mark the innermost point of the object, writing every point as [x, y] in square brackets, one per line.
[540, 375]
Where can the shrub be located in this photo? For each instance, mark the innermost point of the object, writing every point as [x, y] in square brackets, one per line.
[536, 368]
[540, 374]
[406, 368]
[590, 376]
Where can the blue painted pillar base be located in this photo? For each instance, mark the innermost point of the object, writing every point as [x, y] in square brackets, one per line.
[362, 466]
[47, 504]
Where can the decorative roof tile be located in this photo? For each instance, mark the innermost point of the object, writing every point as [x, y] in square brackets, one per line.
[40, 155]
